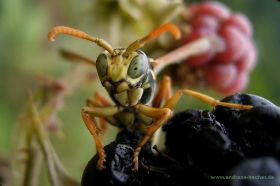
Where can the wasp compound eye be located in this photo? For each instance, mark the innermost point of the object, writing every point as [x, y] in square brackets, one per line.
[138, 66]
[102, 65]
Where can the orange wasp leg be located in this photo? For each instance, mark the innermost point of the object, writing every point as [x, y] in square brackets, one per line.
[161, 115]
[100, 101]
[92, 127]
[171, 103]
[164, 92]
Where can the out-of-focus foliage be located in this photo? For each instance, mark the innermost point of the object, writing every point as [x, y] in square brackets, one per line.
[31, 146]
[25, 52]
[126, 20]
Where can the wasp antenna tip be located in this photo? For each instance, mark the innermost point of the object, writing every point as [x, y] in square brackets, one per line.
[51, 37]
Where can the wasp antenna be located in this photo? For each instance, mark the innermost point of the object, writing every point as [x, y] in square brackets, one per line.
[76, 33]
[163, 28]
[174, 30]
[69, 31]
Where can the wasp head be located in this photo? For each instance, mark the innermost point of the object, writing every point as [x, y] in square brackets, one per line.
[123, 75]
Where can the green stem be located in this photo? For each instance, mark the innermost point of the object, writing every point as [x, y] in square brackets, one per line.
[43, 143]
[34, 165]
[57, 173]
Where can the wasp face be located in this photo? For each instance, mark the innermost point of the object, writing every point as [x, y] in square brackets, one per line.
[123, 76]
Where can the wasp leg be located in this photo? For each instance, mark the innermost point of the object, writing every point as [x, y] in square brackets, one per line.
[171, 103]
[164, 92]
[92, 127]
[161, 115]
[100, 101]
[73, 57]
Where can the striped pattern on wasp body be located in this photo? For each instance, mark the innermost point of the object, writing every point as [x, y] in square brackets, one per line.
[129, 77]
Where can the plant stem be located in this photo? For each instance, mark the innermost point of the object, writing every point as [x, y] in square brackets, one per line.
[196, 47]
[34, 165]
[43, 143]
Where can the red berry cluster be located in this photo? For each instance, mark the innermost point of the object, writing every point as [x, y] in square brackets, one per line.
[226, 71]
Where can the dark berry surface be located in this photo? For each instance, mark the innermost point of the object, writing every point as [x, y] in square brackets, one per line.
[202, 148]
[153, 170]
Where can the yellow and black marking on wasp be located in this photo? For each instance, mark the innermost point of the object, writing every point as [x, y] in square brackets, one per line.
[129, 77]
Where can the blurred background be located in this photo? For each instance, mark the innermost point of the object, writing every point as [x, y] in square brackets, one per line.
[26, 53]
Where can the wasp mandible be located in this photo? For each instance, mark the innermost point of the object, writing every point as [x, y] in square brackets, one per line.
[129, 77]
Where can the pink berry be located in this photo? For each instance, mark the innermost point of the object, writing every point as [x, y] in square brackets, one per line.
[235, 43]
[237, 85]
[221, 75]
[249, 60]
[225, 71]
[212, 8]
[205, 22]
[241, 22]
[201, 59]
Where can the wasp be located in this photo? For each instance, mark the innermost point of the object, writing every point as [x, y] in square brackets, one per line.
[129, 77]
